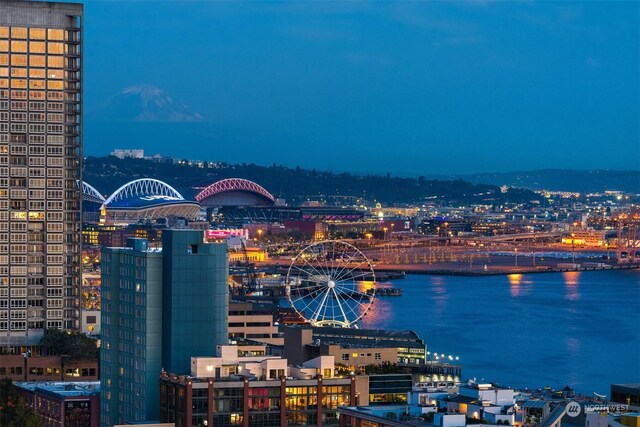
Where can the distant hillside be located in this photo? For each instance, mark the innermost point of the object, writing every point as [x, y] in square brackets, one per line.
[106, 174]
[564, 180]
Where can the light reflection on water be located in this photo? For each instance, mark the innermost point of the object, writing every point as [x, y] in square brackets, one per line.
[515, 280]
[571, 284]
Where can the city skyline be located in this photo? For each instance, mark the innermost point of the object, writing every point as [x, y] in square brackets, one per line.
[403, 87]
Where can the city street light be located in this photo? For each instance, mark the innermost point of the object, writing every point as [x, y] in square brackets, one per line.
[516, 252]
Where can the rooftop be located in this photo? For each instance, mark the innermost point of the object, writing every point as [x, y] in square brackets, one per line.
[63, 389]
[535, 403]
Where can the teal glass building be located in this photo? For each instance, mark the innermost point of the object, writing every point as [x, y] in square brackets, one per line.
[159, 308]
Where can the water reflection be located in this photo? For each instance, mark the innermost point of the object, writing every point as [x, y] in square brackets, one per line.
[515, 280]
[439, 294]
[380, 313]
[571, 285]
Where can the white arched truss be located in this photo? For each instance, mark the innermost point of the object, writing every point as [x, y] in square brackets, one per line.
[90, 194]
[144, 187]
[233, 184]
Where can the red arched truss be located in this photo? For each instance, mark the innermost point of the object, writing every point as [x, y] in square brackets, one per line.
[233, 184]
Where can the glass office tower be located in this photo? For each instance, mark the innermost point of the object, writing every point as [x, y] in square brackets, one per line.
[160, 307]
[40, 169]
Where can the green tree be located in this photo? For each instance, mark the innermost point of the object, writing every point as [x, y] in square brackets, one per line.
[72, 345]
[14, 411]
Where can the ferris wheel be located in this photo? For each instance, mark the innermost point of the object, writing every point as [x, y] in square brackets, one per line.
[325, 284]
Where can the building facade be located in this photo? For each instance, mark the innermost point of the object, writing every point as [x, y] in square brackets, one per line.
[188, 401]
[253, 321]
[61, 404]
[159, 307]
[131, 346]
[40, 169]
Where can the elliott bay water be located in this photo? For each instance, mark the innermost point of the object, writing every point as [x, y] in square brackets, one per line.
[580, 329]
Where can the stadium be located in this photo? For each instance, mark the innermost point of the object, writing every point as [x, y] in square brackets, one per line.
[144, 199]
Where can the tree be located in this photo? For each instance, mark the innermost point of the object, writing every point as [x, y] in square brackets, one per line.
[14, 411]
[72, 345]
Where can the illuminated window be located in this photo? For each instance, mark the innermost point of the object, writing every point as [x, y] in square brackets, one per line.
[19, 60]
[36, 47]
[55, 34]
[54, 48]
[18, 72]
[18, 33]
[37, 60]
[35, 73]
[52, 61]
[37, 33]
[18, 46]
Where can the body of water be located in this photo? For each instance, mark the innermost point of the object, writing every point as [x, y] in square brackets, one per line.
[580, 329]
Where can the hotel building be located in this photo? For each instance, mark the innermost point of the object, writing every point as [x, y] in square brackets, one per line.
[40, 169]
[159, 307]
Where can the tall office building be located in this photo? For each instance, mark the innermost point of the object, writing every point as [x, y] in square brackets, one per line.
[159, 308]
[40, 168]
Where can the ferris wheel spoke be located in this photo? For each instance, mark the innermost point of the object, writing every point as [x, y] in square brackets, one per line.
[365, 303]
[307, 263]
[344, 316]
[361, 294]
[338, 255]
[312, 284]
[326, 253]
[312, 278]
[351, 275]
[314, 317]
[350, 268]
[301, 297]
[318, 307]
[346, 258]
[340, 272]
[310, 300]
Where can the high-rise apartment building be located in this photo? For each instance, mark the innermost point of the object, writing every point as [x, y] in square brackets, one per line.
[40, 169]
[159, 308]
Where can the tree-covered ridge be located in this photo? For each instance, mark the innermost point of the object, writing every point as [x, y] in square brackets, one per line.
[106, 174]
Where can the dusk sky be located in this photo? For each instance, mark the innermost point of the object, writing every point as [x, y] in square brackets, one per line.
[400, 87]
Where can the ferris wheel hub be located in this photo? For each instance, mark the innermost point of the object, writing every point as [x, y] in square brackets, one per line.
[331, 284]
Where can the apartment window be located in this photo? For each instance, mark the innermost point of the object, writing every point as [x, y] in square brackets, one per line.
[18, 60]
[54, 34]
[37, 60]
[37, 33]
[18, 33]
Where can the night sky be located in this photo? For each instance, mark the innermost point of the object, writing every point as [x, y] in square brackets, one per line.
[400, 87]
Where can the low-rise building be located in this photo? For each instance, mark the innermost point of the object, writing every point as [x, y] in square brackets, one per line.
[17, 367]
[254, 322]
[60, 404]
[355, 348]
[230, 390]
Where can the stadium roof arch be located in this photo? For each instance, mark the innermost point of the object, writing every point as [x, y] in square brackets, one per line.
[235, 192]
[90, 194]
[147, 198]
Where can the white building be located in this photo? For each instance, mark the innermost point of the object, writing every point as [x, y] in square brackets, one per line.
[128, 153]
